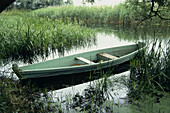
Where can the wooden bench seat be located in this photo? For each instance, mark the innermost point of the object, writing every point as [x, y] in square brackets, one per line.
[107, 56]
[84, 60]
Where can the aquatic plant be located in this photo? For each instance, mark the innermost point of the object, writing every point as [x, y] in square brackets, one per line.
[14, 97]
[117, 15]
[26, 38]
[150, 71]
[82, 14]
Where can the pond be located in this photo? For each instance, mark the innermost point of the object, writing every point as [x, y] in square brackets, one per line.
[107, 36]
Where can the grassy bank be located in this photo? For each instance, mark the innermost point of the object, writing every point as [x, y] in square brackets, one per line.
[25, 38]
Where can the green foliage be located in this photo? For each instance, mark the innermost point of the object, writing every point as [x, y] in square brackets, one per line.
[87, 15]
[118, 15]
[146, 10]
[17, 98]
[150, 70]
[34, 4]
[26, 38]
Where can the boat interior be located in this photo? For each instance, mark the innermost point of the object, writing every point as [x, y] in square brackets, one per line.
[91, 57]
[101, 57]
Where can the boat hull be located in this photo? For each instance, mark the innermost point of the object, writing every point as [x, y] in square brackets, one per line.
[67, 80]
[62, 69]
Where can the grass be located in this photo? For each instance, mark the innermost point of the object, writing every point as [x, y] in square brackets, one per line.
[83, 14]
[17, 98]
[26, 38]
[150, 71]
[117, 15]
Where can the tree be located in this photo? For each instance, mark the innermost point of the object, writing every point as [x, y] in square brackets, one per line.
[148, 9]
[28, 4]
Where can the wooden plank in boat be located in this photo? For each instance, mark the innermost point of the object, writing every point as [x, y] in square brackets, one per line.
[84, 60]
[107, 56]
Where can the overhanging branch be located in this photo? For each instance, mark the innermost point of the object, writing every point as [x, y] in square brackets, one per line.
[156, 12]
[4, 4]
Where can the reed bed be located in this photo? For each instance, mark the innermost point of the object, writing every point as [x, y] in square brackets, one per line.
[150, 71]
[14, 97]
[117, 15]
[26, 38]
[17, 98]
[84, 14]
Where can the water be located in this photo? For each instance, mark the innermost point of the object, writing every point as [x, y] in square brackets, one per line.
[104, 39]
[118, 91]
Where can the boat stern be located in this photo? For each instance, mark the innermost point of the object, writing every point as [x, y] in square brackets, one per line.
[17, 71]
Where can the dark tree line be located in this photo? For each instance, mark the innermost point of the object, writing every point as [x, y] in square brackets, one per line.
[34, 4]
[146, 9]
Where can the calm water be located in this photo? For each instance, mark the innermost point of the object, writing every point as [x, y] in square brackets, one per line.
[103, 40]
[118, 90]
[106, 37]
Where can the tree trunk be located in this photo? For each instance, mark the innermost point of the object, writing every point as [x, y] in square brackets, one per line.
[4, 4]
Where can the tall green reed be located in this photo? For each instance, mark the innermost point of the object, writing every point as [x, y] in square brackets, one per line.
[150, 70]
[26, 38]
[17, 98]
[83, 14]
[117, 15]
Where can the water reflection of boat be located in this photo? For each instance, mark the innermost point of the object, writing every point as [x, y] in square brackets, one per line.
[72, 67]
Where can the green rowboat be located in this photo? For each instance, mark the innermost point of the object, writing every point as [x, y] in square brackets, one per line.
[78, 63]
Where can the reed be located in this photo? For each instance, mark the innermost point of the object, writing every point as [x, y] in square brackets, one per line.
[150, 71]
[87, 15]
[14, 96]
[17, 98]
[26, 38]
[117, 15]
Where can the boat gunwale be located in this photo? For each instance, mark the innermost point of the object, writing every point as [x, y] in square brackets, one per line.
[86, 65]
[87, 52]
